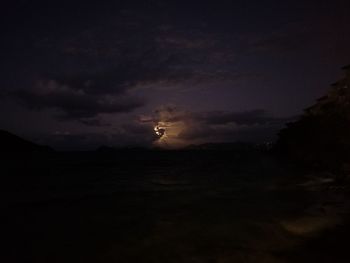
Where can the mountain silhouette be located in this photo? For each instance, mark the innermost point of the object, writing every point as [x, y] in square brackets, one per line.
[321, 136]
[13, 144]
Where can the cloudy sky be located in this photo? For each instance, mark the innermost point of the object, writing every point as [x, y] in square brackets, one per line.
[79, 74]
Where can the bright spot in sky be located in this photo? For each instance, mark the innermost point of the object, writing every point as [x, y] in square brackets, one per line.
[168, 134]
[159, 131]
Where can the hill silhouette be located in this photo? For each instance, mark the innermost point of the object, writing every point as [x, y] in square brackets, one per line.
[320, 138]
[13, 144]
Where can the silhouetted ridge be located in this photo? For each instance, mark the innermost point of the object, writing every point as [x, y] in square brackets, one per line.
[321, 137]
[11, 143]
[233, 146]
[109, 149]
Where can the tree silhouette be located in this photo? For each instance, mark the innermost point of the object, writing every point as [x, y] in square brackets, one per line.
[321, 137]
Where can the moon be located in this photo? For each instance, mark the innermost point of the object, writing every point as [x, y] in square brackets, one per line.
[159, 131]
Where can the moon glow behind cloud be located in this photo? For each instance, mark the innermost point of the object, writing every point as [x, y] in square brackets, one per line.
[159, 131]
[168, 133]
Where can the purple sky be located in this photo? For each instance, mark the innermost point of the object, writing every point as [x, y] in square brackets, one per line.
[79, 74]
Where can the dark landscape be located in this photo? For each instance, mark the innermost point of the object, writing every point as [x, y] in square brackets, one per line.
[207, 205]
[175, 131]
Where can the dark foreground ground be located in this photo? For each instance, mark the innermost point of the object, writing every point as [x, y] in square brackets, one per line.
[194, 206]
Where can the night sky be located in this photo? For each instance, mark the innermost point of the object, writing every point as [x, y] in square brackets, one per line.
[80, 74]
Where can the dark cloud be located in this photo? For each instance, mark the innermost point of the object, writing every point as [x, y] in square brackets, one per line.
[73, 102]
[136, 47]
[166, 113]
[200, 132]
[135, 128]
[128, 135]
[254, 125]
[184, 127]
[251, 117]
[94, 122]
[171, 113]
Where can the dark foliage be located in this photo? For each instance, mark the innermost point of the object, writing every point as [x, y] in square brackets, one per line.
[321, 137]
